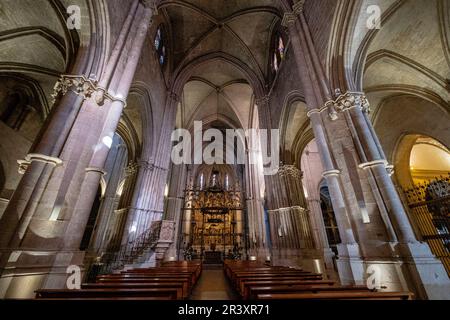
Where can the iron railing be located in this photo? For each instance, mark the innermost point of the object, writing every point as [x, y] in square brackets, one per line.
[429, 204]
[128, 253]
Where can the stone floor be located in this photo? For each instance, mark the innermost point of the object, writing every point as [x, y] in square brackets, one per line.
[213, 285]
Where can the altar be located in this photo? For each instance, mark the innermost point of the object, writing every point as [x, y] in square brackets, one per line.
[212, 257]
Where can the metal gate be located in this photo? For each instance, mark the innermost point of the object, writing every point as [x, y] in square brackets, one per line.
[429, 204]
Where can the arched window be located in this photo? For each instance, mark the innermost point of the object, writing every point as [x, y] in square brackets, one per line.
[277, 52]
[161, 45]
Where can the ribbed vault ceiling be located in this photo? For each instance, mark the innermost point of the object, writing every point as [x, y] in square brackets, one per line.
[241, 29]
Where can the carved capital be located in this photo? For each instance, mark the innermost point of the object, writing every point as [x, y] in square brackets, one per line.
[343, 102]
[152, 4]
[173, 96]
[262, 100]
[30, 158]
[290, 17]
[298, 7]
[351, 100]
[131, 169]
[146, 165]
[23, 166]
[290, 171]
[76, 83]
[84, 87]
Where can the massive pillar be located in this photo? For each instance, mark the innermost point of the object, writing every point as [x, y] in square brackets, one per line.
[174, 208]
[44, 224]
[291, 238]
[148, 199]
[257, 234]
[109, 216]
[374, 227]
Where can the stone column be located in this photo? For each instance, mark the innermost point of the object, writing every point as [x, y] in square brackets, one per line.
[174, 206]
[367, 207]
[106, 216]
[417, 256]
[94, 170]
[53, 171]
[255, 221]
[317, 93]
[148, 203]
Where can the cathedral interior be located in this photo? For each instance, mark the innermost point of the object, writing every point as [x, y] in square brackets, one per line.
[92, 92]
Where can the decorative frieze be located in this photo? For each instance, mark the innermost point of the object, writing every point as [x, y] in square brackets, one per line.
[83, 87]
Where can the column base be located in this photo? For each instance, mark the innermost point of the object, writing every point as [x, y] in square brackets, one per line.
[28, 271]
[311, 260]
[427, 274]
[350, 265]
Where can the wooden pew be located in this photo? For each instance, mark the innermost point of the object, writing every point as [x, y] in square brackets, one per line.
[169, 282]
[275, 273]
[193, 273]
[338, 296]
[252, 292]
[255, 280]
[161, 298]
[173, 293]
[240, 283]
[146, 285]
[187, 287]
[268, 283]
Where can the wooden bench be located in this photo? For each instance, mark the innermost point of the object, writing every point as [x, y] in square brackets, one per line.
[146, 285]
[161, 298]
[187, 287]
[172, 277]
[173, 293]
[338, 296]
[193, 273]
[253, 291]
[171, 281]
[241, 281]
[269, 283]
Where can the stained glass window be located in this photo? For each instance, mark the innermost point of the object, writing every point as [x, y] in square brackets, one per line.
[158, 39]
[281, 47]
[160, 46]
[278, 52]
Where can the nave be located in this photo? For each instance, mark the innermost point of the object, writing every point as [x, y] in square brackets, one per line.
[244, 280]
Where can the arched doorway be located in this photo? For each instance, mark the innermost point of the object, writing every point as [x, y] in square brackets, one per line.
[424, 175]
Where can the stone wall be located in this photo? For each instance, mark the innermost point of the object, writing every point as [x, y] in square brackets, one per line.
[319, 14]
[13, 146]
